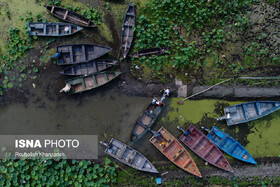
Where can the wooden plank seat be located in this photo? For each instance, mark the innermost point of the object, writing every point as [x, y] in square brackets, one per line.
[177, 154]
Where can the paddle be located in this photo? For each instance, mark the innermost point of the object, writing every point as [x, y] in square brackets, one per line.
[203, 128]
[185, 132]
[155, 134]
[105, 144]
[182, 101]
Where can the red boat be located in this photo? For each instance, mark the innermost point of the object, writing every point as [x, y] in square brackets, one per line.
[174, 151]
[203, 147]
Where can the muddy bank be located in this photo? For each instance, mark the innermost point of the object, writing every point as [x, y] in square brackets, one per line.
[243, 171]
[132, 86]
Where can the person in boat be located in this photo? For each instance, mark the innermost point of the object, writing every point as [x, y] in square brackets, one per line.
[156, 102]
[66, 88]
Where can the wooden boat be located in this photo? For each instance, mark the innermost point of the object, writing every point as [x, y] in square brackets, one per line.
[149, 52]
[203, 147]
[52, 29]
[128, 156]
[88, 82]
[174, 151]
[77, 53]
[89, 67]
[229, 145]
[245, 112]
[70, 16]
[127, 31]
[146, 120]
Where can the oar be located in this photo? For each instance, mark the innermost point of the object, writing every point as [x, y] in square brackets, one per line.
[105, 144]
[185, 132]
[155, 134]
[204, 128]
[182, 101]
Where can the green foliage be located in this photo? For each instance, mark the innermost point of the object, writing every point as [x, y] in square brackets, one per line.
[92, 14]
[7, 12]
[172, 24]
[46, 172]
[54, 2]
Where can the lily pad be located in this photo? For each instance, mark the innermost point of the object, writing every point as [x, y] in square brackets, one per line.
[10, 85]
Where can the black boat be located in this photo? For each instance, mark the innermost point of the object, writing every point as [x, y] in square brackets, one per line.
[77, 53]
[89, 67]
[127, 29]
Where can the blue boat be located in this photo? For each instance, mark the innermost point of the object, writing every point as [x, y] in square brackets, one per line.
[245, 112]
[229, 145]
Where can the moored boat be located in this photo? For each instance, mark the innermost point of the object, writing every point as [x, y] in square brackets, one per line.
[70, 16]
[89, 82]
[174, 151]
[52, 29]
[203, 147]
[245, 112]
[146, 120]
[77, 53]
[229, 145]
[127, 29]
[89, 67]
[128, 156]
[149, 52]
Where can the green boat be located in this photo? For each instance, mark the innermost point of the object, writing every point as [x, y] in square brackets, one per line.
[88, 82]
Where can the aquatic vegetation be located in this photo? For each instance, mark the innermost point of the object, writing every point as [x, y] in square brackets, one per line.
[194, 31]
[48, 172]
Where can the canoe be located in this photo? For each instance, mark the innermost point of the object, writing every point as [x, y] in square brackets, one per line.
[203, 147]
[77, 53]
[149, 52]
[229, 145]
[128, 156]
[245, 112]
[88, 82]
[89, 67]
[174, 151]
[52, 29]
[127, 29]
[146, 120]
[70, 16]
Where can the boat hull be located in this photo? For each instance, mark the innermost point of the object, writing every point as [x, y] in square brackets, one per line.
[78, 53]
[88, 67]
[175, 151]
[52, 29]
[204, 148]
[70, 16]
[89, 82]
[245, 112]
[229, 145]
[129, 156]
[145, 121]
[127, 29]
